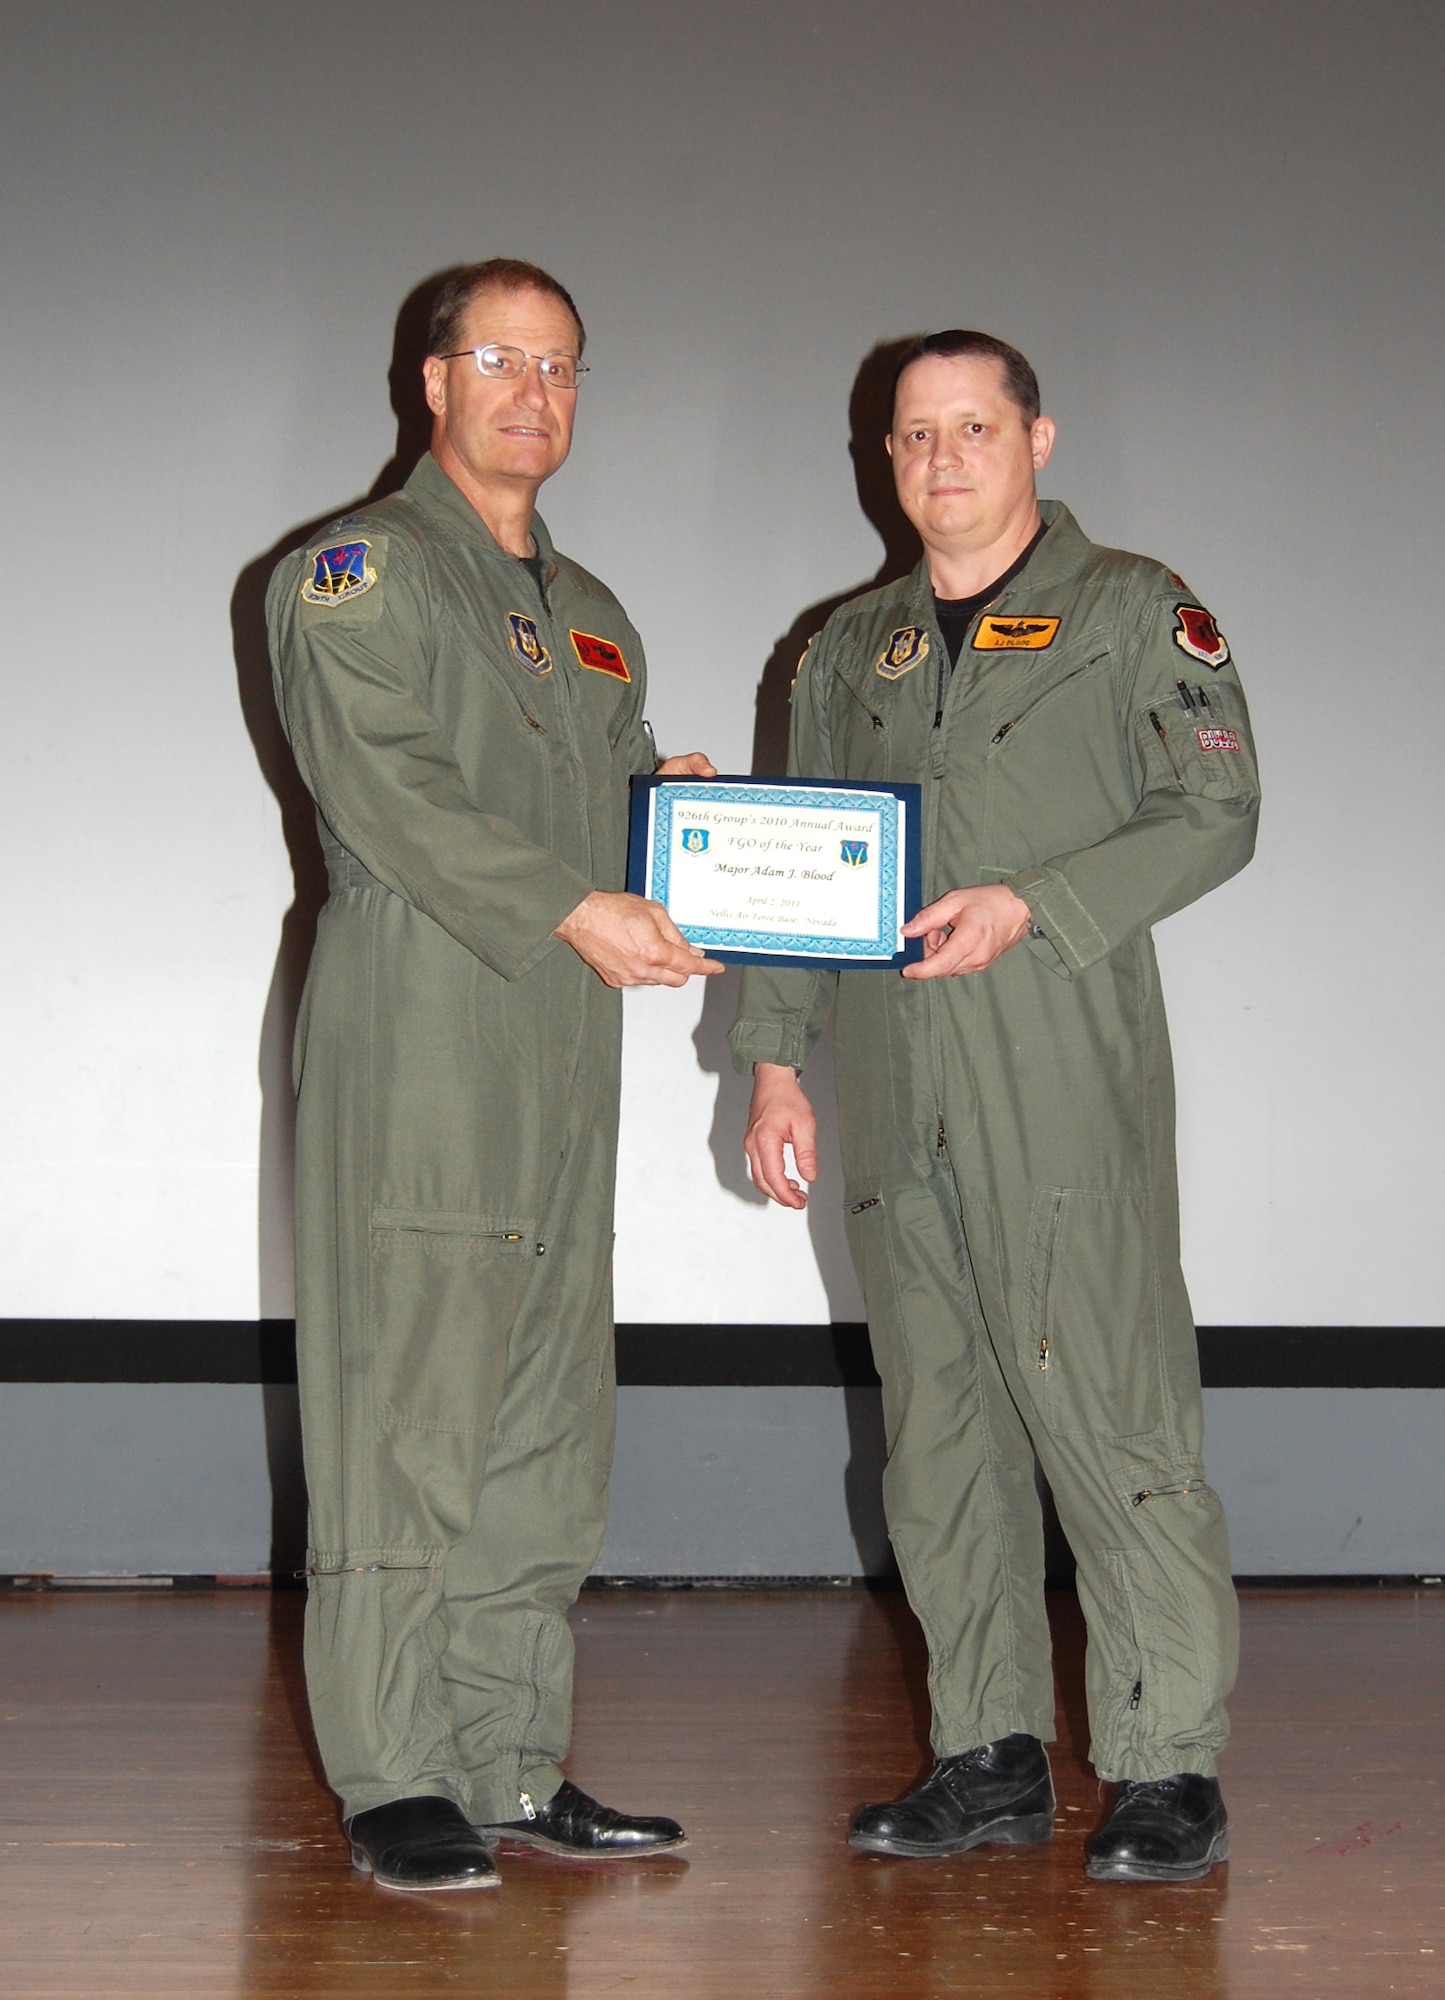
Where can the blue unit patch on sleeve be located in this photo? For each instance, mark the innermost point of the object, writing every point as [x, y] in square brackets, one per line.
[339, 574]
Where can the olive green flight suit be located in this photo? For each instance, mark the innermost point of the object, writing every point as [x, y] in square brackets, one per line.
[457, 1069]
[1008, 1137]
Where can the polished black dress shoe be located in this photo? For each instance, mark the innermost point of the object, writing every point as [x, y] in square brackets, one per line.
[421, 1844]
[572, 1824]
[1160, 1830]
[996, 1792]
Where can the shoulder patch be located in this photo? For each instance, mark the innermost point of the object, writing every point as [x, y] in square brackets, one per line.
[1015, 635]
[340, 573]
[600, 654]
[1196, 634]
[905, 648]
[527, 647]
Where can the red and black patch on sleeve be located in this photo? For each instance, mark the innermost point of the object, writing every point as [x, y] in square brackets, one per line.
[600, 654]
[1217, 739]
[1197, 635]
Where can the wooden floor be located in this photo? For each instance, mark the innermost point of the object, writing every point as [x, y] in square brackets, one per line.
[163, 1832]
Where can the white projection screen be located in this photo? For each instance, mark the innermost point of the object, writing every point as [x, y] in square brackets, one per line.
[1214, 229]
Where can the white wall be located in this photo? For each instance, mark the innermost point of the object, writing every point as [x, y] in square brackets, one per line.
[1215, 231]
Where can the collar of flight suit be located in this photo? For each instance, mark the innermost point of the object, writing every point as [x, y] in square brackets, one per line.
[435, 494]
[1059, 557]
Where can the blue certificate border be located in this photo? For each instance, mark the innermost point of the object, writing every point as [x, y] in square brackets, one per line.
[902, 881]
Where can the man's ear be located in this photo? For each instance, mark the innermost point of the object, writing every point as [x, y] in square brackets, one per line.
[434, 383]
[1041, 436]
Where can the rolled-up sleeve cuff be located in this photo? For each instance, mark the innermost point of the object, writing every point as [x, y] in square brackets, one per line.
[1059, 914]
[769, 1042]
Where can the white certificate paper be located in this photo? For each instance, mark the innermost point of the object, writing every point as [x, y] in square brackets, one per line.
[772, 871]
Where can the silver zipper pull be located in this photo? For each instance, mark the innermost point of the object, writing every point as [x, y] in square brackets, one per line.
[529, 1811]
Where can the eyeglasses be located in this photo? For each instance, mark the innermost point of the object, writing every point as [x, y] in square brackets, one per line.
[505, 364]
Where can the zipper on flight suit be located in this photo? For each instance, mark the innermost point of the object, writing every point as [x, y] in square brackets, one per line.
[1159, 1492]
[1158, 727]
[1044, 1349]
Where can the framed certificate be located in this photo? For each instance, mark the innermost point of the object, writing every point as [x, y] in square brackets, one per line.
[780, 871]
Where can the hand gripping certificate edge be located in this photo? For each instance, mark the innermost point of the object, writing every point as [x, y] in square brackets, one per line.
[910, 871]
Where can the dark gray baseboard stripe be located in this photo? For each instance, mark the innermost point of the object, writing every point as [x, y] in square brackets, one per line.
[686, 1357]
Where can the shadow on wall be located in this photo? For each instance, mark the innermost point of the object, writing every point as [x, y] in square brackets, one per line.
[725, 1139]
[298, 927]
[870, 414]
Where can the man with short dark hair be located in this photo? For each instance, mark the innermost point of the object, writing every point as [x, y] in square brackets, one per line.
[466, 708]
[1007, 1119]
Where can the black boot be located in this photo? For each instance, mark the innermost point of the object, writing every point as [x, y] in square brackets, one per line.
[1160, 1830]
[995, 1792]
[420, 1844]
[572, 1824]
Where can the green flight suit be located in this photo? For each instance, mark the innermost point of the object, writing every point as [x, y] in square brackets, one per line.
[468, 740]
[1008, 1138]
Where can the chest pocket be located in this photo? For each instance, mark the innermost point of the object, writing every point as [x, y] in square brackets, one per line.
[1036, 683]
[877, 725]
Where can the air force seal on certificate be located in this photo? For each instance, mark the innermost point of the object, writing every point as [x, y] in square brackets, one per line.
[523, 640]
[694, 839]
[340, 573]
[905, 648]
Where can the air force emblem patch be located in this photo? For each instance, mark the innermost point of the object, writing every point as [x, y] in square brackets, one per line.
[339, 573]
[694, 839]
[599, 654]
[905, 648]
[855, 853]
[1197, 635]
[1015, 635]
[523, 640]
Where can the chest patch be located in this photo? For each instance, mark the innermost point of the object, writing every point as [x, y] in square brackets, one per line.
[1217, 739]
[905, 648]
[523, 640]
[1197, 635]
[339, 574]
[599, 654]
[1015, 635]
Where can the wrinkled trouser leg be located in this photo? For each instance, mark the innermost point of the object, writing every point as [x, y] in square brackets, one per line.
[507, 1669]
[959, 1493]
[456, 1395]
[1094, 1333]
[1088, 1359]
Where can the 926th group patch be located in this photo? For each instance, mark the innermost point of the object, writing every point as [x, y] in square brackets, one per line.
[905, 648]
[339, 574]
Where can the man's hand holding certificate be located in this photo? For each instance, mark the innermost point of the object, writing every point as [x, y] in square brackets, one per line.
[779, 871]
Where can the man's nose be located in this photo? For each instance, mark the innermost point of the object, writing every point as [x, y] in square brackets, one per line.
[531, 389]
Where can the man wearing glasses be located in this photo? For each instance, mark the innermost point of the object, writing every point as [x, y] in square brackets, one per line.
[466, 707]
